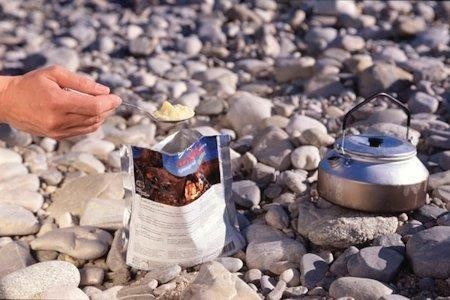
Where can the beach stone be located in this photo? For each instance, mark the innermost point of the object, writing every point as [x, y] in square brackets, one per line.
[246, 193]
[262, 233]
[358, 288]
[278, 291]
[391, 241]
[27, 199]
[299, 123]
[82, 242]
[97, 294]
[191, 45]
[378, 262]
[438, 179]
[294, 180]
[315, 137]
[421, 102]
[335, 8]
[287, 69]
[253, 276]
[164, 274]
[444, 220]
[277, 217]
[382, 77]
[14, 256]
[91, 275]
[313, 270]
[35, 279]
[68, 58]
[214, 281]
[27, 182]
[62, 293]
[116, 255]
[11, 170]
[306, 157]
[267, 284]
[247, 109]
[222, 81]
[142, 46]
[261, 255]
[73, 196]
[87, 162]
[428, 252]
[352, 43]
[339, 266]
[331, 225]
[96, 147]
[232, 264]
[272, 147]
[103, 213]
[291, 277]
[16, 220]
[393, 297]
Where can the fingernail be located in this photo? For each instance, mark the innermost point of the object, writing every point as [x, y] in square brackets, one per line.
[101, 88]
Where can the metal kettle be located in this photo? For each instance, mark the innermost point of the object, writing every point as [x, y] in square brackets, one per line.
[373, 173]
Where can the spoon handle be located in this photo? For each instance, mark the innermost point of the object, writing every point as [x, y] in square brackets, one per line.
[141, 109]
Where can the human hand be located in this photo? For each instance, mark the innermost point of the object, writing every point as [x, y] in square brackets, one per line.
[37, 102]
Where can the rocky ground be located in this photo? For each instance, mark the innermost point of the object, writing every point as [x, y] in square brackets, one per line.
[275, 75]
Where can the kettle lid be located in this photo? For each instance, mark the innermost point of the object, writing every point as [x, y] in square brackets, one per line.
[377, 146]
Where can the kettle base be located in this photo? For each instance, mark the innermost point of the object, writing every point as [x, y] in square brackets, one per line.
[369, 197]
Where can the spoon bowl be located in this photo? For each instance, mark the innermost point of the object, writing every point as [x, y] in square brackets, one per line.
[152, 116]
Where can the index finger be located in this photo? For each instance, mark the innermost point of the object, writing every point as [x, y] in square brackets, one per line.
[89, 105]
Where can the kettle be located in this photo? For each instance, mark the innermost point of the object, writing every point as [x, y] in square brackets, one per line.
[372, 172]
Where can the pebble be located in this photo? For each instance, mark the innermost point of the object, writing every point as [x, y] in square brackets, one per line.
[27, 199]
[427, 251]
[16, 220]
[358, 288]
[86, 162]
[277, 217]
[315, 137]
[246, 193]
[294, 180]
[328, 226]
[62, 292]
[14, 256]
[378, 262]
[103, 213]
[339, 266]
[12, 169]
[291, 277]
[267, 284]
[232, 264]
[278, 291]
[391, 241]
[261, 255]
[421, 102]
[214, 281]
[82, 242]
[96, 147]
[91, 275]
[313, 270]
[9, 156]
[253, 276]
[272, 147]
[68, 58]
[306, 157]
[247, 109]
[299, 123]
[37, 278]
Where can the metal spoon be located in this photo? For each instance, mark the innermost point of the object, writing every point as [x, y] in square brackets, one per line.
[153, 117]
[150, 115]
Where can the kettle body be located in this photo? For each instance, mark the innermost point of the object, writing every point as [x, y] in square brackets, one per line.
[373, 173]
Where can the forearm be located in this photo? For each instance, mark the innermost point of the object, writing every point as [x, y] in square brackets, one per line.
[4, 83]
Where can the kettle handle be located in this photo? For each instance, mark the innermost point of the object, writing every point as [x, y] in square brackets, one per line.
[374, 96]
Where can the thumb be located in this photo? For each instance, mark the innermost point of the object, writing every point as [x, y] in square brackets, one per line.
[66, 79]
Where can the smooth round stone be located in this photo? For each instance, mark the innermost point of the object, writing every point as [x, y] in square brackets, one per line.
[313, 270]
[252, 275]
[277, 217]
[37, 278]
[86, 162]
[306, 157]
[277, 292]
[291, 277]
[27, 182]
[16, 220]
[246, 193]
[27, 199]
[299, 123]
[96, 147]
[358, 288]
[91, 275]
[267, 284]
[62, 293]
[11, 170]
[9, 156]
[48, 144]
[232, 264]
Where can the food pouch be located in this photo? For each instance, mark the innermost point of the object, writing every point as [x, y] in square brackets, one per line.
[179, 206]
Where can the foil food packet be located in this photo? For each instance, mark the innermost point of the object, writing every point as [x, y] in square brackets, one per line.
[178, 198]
